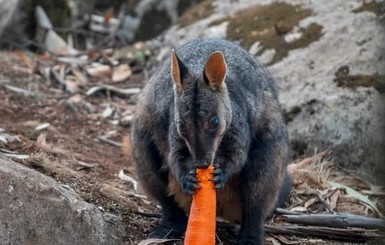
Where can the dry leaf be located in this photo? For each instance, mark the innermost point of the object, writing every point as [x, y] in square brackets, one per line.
[80, 61]
[316, 241]
[284, 240]
[77, 98]
[121, 73]
[25, 59]
[82, 79]
[309, 202]
[42, 18]
[108, 15]
[41, 142]
[71, 86]
[56, 45]
[273, 241]
[103, 71]
[7, 138]
[126, 120]
[334, 199]
[108, 111]
[291, 168]
[62, 70]
[42, 126]
[92, 54]
[155, 241]
[19, 69]
[98, 24]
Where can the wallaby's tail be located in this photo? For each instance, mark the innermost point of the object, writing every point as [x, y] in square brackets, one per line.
[285, 190]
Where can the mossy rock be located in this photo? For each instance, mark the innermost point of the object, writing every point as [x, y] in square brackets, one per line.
[344, 79]
[376, 7]
[197, 12]
[268, 25]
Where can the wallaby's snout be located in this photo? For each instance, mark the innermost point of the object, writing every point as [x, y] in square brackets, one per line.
[204, 164]
[202, 156]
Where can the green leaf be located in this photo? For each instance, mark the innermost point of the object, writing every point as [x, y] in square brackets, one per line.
[362, 198]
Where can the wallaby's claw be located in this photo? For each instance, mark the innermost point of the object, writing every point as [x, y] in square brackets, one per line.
[218, 177]
[190, 183]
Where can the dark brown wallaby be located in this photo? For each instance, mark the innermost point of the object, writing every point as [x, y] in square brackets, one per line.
[212, 103]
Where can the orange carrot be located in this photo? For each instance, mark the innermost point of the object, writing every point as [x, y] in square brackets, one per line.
[201, 222]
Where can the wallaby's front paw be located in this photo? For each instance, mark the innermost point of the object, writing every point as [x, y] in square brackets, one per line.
[190, 183]
[218, 178]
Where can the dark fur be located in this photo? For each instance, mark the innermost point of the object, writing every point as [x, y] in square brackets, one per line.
[252, 150]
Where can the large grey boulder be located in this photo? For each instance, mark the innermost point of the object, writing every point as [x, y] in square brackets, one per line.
[35, 209]
[348, 120]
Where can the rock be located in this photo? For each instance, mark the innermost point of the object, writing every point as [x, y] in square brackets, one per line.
[348, 121]
[9, 15]
[35, 209]
[255, 47]
[267, 56]
[323, 112]
[7, 9]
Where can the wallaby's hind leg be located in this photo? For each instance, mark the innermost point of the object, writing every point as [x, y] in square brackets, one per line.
[155, 181]
[173, 223]
[262, 178]
[284, 192]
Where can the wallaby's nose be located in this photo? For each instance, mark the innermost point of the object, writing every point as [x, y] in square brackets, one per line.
[203, 164]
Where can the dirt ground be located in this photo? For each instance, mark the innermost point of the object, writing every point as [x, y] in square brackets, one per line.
[71, 151]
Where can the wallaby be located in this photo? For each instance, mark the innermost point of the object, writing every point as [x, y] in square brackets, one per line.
[212, 103]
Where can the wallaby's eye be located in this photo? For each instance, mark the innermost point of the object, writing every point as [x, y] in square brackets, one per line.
[214, 123]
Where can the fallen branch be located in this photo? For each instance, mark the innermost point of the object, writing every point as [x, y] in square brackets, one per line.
[337, 220]
[352, 234]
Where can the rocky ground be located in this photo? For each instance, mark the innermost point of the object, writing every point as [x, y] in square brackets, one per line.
[65, 125]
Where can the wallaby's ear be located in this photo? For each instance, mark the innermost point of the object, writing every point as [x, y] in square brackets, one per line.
[175, 71]
[215, 70]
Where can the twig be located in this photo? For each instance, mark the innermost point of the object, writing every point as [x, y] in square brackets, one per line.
[19, 90]
[105, 140]
[118, 91]
[353, 234]
[128, 179]
[285, 211]
[337, 220]
[84, 165]
[56, 76]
